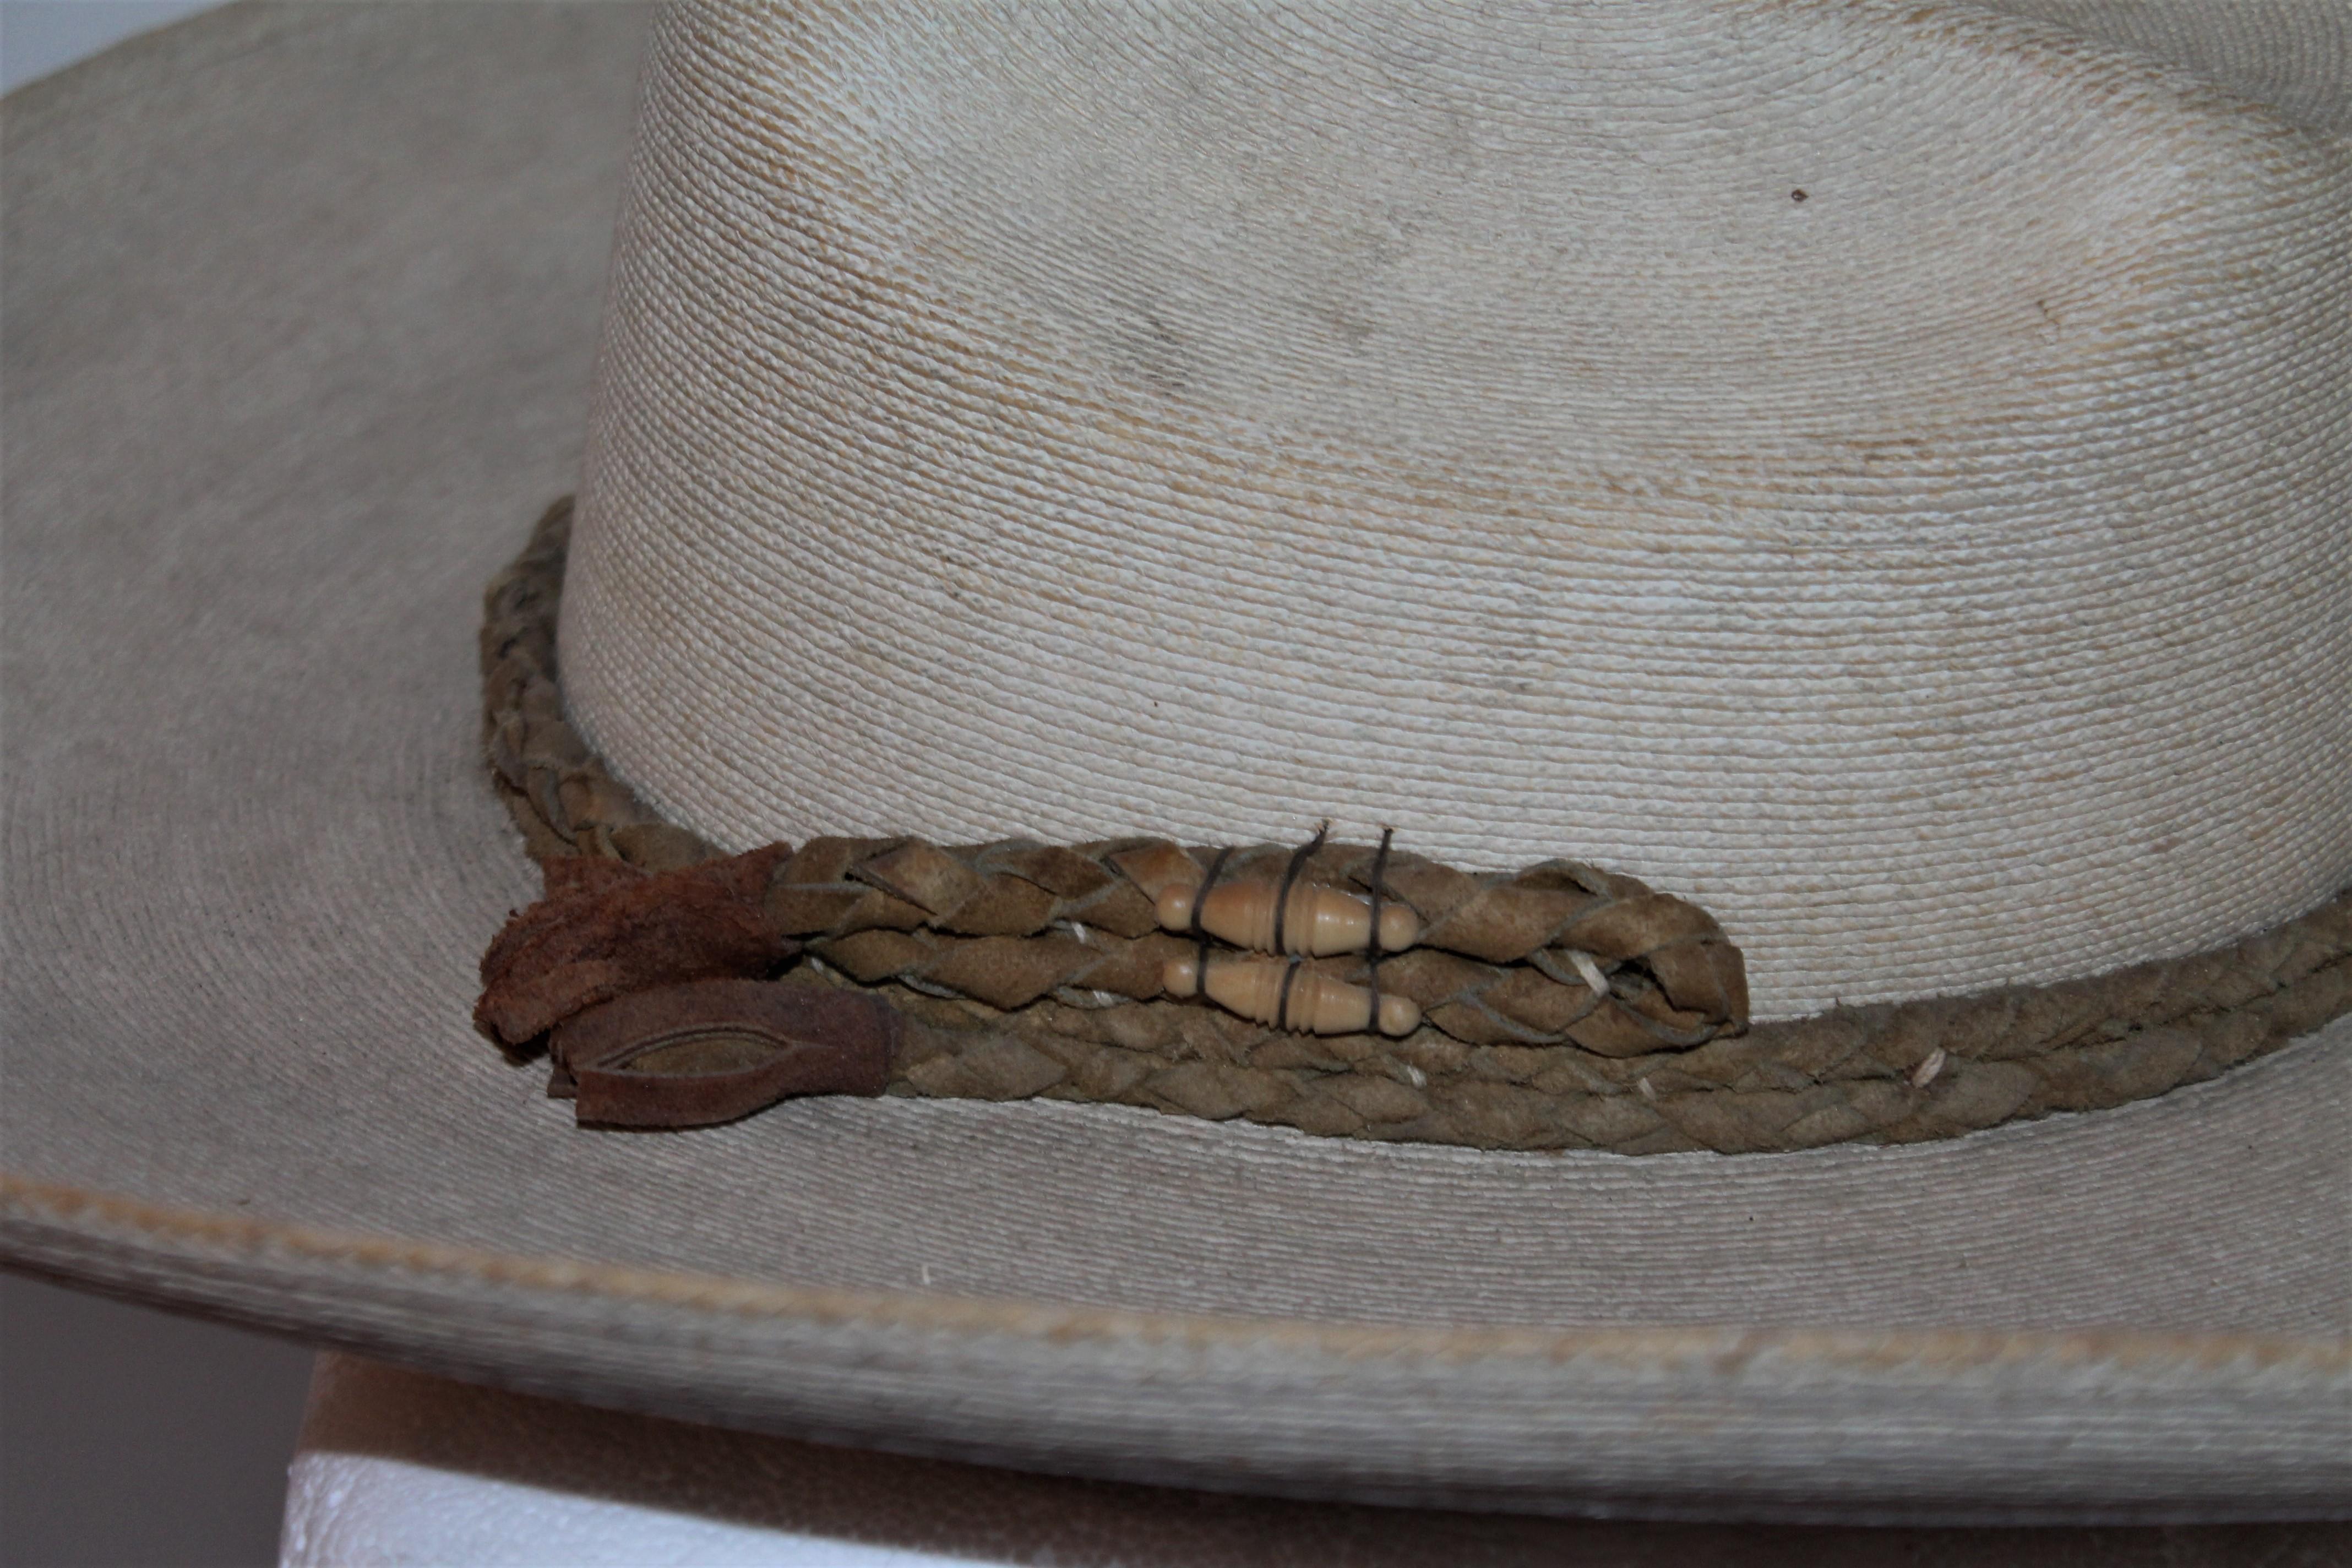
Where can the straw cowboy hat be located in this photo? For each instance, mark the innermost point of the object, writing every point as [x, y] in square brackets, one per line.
[1816, 531]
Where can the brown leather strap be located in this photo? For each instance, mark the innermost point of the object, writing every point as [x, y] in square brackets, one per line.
[606, 929]
[714, 1050]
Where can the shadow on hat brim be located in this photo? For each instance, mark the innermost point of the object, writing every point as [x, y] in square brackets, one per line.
[301, 304]
[451, 1458]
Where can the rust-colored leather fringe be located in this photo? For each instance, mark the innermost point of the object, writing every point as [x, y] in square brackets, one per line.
[1036, 971]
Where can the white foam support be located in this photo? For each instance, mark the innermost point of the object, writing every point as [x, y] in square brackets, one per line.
[1204, 419]
[346, 1508]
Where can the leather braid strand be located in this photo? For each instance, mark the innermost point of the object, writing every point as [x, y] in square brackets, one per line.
[1034, 970]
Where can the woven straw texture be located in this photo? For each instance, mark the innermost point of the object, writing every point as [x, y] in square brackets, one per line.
[1076, 423]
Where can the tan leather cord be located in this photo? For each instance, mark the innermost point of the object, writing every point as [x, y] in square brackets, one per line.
[1036, 971]
[1018, 924]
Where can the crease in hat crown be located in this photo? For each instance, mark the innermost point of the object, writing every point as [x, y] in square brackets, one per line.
[1077, 424]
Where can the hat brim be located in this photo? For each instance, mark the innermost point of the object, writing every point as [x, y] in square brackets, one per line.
[300, 311]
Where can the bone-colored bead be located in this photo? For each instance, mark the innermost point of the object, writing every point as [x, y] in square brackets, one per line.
[1320, 921]
[1318, 1004]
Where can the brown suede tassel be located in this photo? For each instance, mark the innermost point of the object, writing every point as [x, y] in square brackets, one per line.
[713, 1050]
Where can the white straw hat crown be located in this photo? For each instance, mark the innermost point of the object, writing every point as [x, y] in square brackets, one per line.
[1881, 473]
